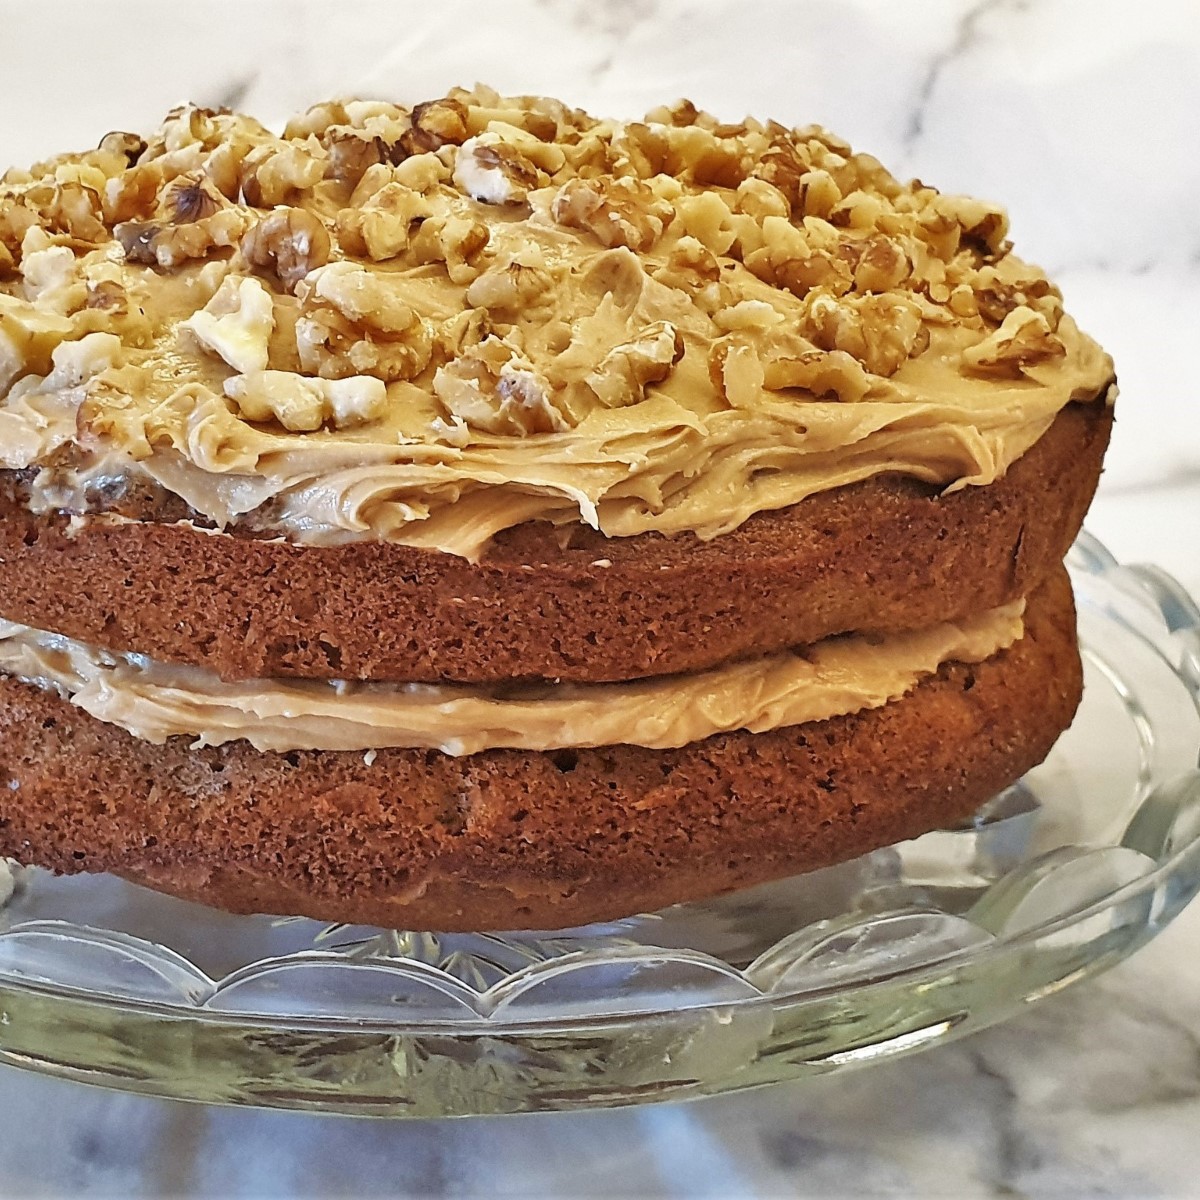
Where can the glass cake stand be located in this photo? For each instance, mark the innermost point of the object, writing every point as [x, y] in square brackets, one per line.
[1055, 879]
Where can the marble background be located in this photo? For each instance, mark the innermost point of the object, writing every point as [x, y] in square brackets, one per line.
[1084, 117]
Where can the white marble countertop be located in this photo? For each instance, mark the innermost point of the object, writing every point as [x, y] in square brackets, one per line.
[1084, 117]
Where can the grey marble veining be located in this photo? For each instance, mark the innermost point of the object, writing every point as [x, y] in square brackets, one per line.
[1084, 117]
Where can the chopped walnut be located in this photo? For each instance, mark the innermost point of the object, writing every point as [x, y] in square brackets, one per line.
[352, 154]
[435, 124]
[628, 369]
[690, 266]
[619, 212]
[291, 242]
[742, 368]
[980, 222]
[362, 295]
[333, 347]
[821, 269]
[382, 228]
[28, 338]
[190, 198]
[133, 195]
[882, 266]
[274, 173]
[489, 170]
[494, 388]
[783, 168]
[748, 315]
[364, 326]
[513, 285]
[882, 332]
[1023, 340]
[996, 296]
[127, 145]
[50, 274]
[80, 213]
[836, 374]
[457, 240]
[301, 403]
[236, 324]
[169, 245]
[760, 199]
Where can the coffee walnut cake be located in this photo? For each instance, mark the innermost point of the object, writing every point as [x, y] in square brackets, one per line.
[481, 515]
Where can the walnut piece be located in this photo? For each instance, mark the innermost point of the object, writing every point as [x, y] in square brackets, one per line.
[302, 404]
[28, 339]
[489, 170]
[435, 124]
[459, 241]
[881, 332]
[512, 286]
[382, 228]
[618, 212]
[1023, 340]
[494, 388]
[236, 324]
[359, 294]
[291, 242]
[274, 173]
[357, 322]
[192, 219]
[628, 369]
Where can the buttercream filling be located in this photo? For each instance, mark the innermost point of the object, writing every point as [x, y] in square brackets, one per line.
[155, 701]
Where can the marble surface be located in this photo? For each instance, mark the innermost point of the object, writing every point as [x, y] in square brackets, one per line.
[1083, 117]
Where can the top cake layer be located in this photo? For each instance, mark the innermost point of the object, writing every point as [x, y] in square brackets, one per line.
[427, 326]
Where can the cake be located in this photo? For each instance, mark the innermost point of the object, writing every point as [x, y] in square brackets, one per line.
[484, 516]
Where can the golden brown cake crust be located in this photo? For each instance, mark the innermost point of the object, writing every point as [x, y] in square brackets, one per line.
[508, 839]
[888, 553]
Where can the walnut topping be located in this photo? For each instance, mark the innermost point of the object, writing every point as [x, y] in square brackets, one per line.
[435, 124]
[627, 370]
[274, 173]
[333, 347]
[28, 338]
[362, 295]
[291, 242]
[881, 332]
[618, 212]
[491, 171]
[128, 145]
[458, 241]
[236, 323]
[382, 228]
[1023, 340]
[302, 404]
[512, 286]
[363, 326]
[494, 388]
[190, 198]
[521, 264]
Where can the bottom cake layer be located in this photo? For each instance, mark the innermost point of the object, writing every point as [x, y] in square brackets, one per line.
[507, 839]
